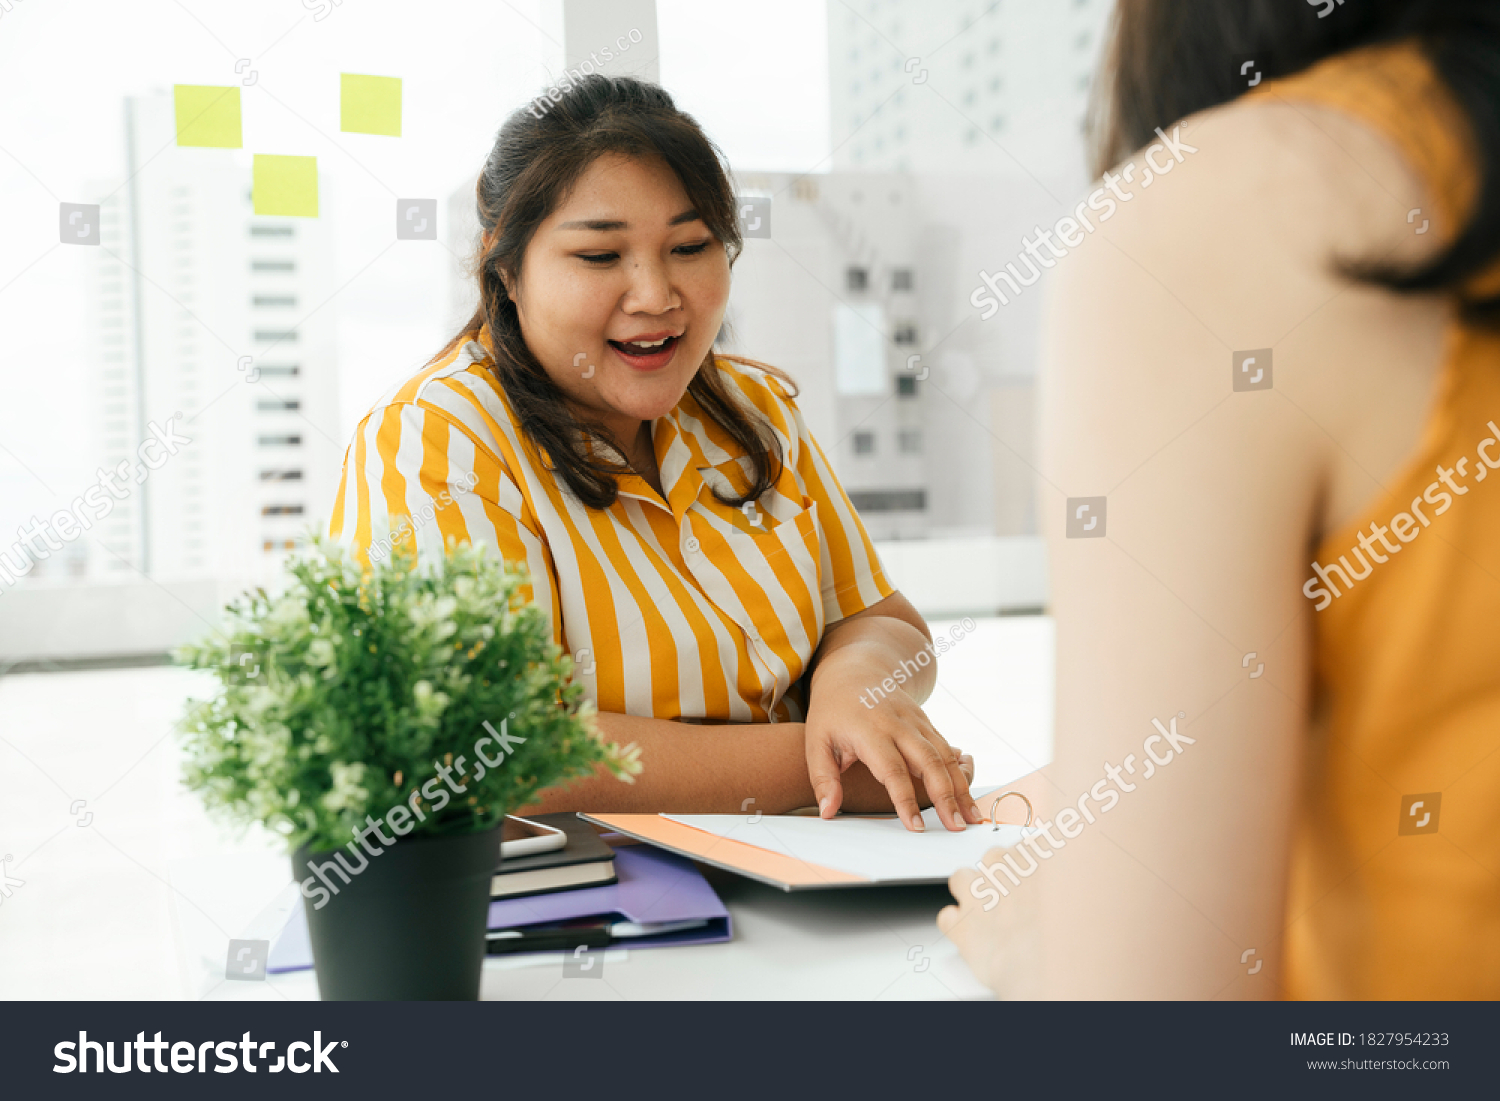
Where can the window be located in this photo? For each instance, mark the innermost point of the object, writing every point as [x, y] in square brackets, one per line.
[864, 443]
[906, 386]
[909, 440]
[888, 500]
[857, 278]
[906, 333]
[902, 279]
[859, 348]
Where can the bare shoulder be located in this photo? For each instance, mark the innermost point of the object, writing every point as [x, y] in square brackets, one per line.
[1235, 249]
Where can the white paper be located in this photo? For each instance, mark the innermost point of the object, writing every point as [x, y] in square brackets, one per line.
[879, 849]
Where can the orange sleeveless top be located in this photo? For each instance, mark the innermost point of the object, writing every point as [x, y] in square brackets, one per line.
[1395, 880]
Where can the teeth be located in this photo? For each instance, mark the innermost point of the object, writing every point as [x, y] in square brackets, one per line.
[650, 344]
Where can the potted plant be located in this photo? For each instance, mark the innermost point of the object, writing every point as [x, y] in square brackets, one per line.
[383, 719]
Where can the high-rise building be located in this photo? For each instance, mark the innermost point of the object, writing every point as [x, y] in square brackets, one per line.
[963, 86]
[858, 294]
[209, 317]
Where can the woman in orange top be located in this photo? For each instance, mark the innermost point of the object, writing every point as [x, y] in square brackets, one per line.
[683, 530]
[1286, 648]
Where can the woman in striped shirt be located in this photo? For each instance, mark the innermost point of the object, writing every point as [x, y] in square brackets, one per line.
[681, 526]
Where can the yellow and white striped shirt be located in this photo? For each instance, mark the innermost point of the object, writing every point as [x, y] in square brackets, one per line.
[683, 608]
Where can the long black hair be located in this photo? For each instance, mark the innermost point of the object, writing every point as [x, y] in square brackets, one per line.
[539, 154]
[1169, 58]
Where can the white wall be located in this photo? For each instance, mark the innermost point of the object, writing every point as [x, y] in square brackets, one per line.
[971, 576]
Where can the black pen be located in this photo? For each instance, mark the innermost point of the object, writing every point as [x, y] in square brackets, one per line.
[591, 934]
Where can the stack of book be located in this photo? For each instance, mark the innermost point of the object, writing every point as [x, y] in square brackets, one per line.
[585, 861]
[587, 895]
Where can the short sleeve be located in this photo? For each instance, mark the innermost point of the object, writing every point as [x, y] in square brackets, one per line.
[414, 476]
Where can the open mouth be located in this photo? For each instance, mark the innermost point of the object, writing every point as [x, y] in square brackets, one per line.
[636, 348]
[652, 353]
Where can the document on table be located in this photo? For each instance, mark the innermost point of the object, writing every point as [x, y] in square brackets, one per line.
[881, 850]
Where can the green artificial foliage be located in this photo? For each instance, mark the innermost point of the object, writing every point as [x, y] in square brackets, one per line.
[340, 697]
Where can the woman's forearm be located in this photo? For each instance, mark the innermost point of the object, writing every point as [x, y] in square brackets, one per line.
[885, 643]
[688, 768]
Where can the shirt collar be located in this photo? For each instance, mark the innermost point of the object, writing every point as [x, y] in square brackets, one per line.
[679, 451]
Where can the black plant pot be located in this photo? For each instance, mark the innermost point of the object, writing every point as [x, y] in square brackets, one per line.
[408, 925]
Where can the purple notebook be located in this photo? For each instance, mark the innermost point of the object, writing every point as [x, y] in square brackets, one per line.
[654, 886]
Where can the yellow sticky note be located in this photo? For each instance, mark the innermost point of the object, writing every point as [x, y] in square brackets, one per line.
[208, 115]
[370, 104]
[287, 186]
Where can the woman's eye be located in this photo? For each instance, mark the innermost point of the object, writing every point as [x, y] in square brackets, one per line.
[607, 257]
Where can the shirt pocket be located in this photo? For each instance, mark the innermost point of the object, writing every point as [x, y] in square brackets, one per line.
[766, 576]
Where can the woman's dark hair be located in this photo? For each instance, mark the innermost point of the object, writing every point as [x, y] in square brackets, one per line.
[1169, 58]
[539, 154]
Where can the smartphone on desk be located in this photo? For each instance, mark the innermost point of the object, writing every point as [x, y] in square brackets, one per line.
[523, 837]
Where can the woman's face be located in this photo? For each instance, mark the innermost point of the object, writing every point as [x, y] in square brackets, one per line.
[624, 258]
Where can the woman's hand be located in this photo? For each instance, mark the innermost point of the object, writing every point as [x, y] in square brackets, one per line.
[891, 736]
[999, 938]
[863, 794]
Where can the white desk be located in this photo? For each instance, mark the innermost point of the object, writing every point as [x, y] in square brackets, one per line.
[857, 944]
[141, 902]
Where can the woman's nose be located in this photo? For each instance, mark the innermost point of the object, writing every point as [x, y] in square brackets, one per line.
[651, 290]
